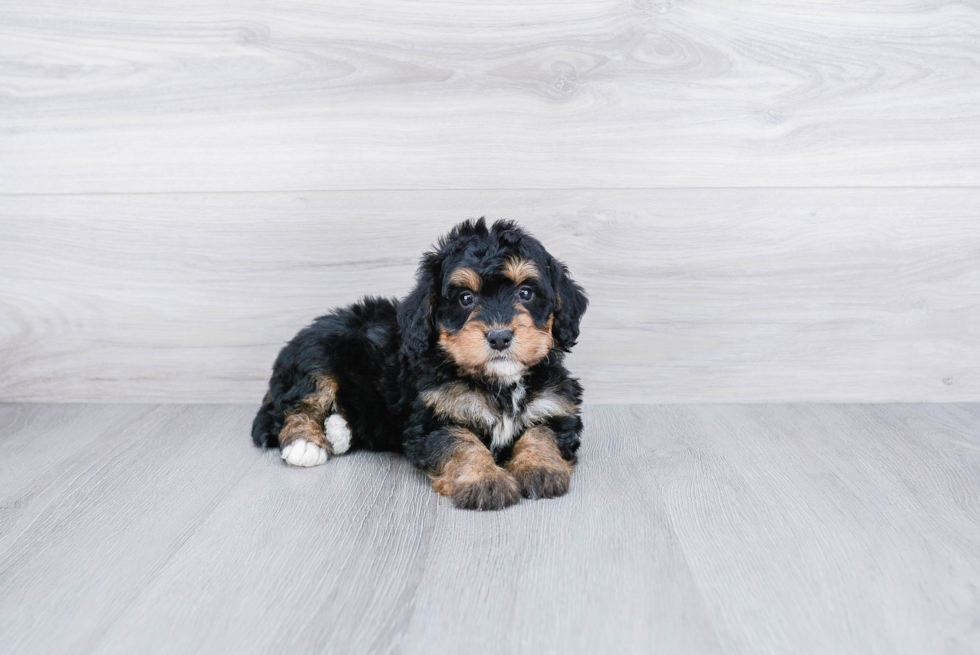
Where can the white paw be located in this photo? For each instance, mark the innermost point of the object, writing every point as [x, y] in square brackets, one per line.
[338, 433]
[303, 453]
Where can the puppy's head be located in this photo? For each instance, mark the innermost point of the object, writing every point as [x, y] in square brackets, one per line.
[492, 301]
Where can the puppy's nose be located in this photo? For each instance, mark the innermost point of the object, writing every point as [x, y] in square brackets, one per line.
[500, 339]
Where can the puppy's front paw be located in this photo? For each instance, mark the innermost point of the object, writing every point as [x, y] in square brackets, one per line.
[543, 481]
[489, 491]
[304, 453]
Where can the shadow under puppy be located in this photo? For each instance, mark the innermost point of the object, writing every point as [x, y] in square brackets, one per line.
[464, 375]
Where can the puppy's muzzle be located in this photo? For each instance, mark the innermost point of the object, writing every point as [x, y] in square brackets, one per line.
[500, 339]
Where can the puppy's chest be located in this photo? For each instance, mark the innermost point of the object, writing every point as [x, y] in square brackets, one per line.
[499, 418]
[508, 417]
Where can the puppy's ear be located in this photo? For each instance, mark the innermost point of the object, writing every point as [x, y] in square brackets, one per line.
[416, 313]
[570, 305]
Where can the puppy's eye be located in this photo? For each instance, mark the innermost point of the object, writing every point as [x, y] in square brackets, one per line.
[525, 294]
[466, 299]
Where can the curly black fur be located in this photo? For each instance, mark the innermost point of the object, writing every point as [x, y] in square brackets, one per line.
[396, 378]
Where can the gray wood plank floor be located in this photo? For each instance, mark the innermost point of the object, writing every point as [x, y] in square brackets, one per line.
[688, 529]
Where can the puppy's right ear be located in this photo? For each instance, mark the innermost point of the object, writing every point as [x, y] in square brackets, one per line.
[416, 313]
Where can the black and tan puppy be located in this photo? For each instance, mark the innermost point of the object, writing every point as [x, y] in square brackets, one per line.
[464, 376]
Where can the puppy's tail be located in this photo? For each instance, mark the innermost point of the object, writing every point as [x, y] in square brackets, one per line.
[264, 432]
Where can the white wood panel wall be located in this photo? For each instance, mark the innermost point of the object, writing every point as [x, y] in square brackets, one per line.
[766, 201]
[776, 294]
[246, 95]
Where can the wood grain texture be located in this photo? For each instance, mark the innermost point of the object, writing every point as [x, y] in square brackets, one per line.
[58, 434]
[248, 95]
[697, 295]
[827, 529]
[688, 529]
[80, 542]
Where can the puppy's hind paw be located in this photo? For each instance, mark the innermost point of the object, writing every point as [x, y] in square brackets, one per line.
[338, 433]
[304, 453]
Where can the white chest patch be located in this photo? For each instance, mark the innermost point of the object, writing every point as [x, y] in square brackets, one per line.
[507, 424]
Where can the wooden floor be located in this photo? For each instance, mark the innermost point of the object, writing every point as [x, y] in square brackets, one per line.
[688, 529]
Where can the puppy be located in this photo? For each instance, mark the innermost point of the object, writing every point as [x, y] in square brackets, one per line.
[464, 376]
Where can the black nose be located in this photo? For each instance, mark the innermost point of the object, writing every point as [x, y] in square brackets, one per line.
[500, 339]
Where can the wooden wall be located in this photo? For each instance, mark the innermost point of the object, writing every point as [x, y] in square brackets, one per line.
[767, 201]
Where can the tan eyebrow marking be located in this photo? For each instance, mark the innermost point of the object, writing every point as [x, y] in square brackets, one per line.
[466, 277]
[519, 270]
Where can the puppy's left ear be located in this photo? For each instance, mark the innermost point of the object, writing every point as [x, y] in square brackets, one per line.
[416, 313]
[570, 304]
